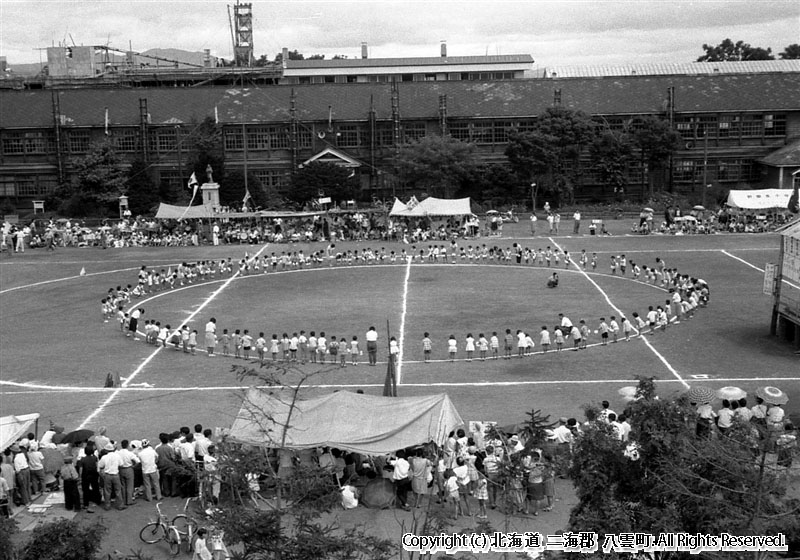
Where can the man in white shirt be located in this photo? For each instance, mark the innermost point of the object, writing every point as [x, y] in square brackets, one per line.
[36, 464]
[109, 466]
[400, 478]
[372, 346]
[127, 460]
[213, 480]
[149, 458]
[566, 324]
[202, 439]
[22, 472]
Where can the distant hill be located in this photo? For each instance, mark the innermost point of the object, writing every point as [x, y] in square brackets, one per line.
[27, 70]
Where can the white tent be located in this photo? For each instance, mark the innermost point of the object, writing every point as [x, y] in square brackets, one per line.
[761, 199]
[350, 421]
[14, 427]
[433, 207]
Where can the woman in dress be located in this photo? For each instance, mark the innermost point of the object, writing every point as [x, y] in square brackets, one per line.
[420, 476]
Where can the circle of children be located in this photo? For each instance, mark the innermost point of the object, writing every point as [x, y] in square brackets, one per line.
[685, 296]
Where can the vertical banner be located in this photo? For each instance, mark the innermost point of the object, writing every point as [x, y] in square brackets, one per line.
[769, 279]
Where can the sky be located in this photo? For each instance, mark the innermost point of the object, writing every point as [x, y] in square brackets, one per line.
[555, 33]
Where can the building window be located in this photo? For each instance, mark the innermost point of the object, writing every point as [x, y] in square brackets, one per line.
[752, 125]
[304, 138]
[233, 139]
[273, 178]
[166, 140]
[330, 79]
[384, 134]
[483, 132]
[349, 136]
[729, 126]
[501, 130]
[413, 131]
[258, 138]
[683, 171]
[774, 125]
[13, 143]
[125, 140]
[279, 137]
[34, 142]
[459, 131]
[7, 187]
[171, 180]
[78, 141]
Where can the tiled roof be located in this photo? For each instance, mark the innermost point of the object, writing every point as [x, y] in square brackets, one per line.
[413, 61]
[418, 100]
[655, 69]
[787, 156]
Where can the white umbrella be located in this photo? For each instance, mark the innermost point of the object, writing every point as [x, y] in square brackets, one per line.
[699, 208]
[772, 395]
[648, 210]
[731, 393]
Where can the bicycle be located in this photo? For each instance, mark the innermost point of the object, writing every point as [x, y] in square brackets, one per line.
[186, 526]
[161, 530]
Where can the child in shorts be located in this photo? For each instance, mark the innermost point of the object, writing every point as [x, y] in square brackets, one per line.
[247, 342]
[354, 351]
[261, 345]
[452, 347]
[343, 350]
[494, 343]
[427, 346]
[312, 347]
[226, 343]
[193, 341]
[483, 346]
[558, 334]
[322, 347]
[544, 339]
[236, 339]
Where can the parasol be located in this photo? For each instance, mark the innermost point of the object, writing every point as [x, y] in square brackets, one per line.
[628, 393]
[492, 212]
[699, 208]
[77, 436]
[699, 394]
[647, 209]
[731, 393]
[772, 395]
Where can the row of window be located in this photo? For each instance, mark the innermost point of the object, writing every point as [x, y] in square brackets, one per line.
[718, 170]
[278, 137]
[384, 78]
[34, 186]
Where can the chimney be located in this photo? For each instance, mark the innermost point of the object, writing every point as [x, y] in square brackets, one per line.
[364, 50]
[207, 58]
[444, 48]
[284, 56]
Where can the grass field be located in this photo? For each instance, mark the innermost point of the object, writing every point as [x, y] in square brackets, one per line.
[55, 351]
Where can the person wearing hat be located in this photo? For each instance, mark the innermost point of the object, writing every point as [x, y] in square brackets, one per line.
[109, 466]
[69, 475]
[152, 482]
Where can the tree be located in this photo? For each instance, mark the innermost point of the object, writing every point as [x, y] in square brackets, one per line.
[99, 181]
[436, 165]
[727, 50]
[548, 157]
[495, 184]
[141, 189]
[611, 153]
[791, 52]
[668, 479]
[232, 194]
[292, 55]
[657, 141]
[207, 150]
[323, 179]
[64, 540]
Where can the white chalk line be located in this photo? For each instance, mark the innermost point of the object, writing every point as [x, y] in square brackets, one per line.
[664, 361]
[35, 284]
[403, 323]
[761, 270]
[155, 352]
[48, 389]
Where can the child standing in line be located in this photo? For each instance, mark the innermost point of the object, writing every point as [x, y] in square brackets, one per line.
[508, 344]
[521, 345]
[451, 488]
[237, 344]
[226, 343]
[333, 349]
[322, 347]
[483, 346]
[247, 342]
[613, 264]
[603, 329]
[312, 347]
[192, 341]
[452, 347]
[261, 345]
[594, 262]
[285, 347]
[558, 334]
[529, 344]
[354, 351]
[544, 339]
[469, 346]
[293, 342]
[613, 327]
[584, 259]
[495, 345]
[640, 324]
[343, 350]
[427, 346]
[302, 344]
[481, 494]
[626, 329]
[274, 347]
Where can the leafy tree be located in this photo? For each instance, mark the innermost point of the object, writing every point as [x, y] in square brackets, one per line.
[292, 55]
[64, 540]
[727, 50]
[99, 181]
[611, 153]
[233, 192]
[320, 178]
[549, 155]
[668, 479]
[791, 52]
[141, 189]
[316, 57]
[8, 528]
[436, 165]
[495, 184]
[207, 149]
[657, 141]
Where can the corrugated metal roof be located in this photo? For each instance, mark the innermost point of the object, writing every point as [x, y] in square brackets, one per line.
[418, 100]
[659, 69]
[787, 156]
[413, 61]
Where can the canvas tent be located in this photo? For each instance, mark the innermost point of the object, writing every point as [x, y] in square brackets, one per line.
[433, 207]
[366, 424]
[14, 427]
[762, 199]
[169, 211]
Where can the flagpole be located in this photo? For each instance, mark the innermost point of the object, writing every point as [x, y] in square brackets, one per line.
[244, 146]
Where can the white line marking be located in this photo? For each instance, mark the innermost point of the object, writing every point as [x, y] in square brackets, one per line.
[66, 278]
[664, 361]
[403, 323]
[44, 389]
[761, 270]
[133, 375]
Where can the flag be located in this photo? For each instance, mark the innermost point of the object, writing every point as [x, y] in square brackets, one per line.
[106, 121]
[216, 115]
[83, 271]
[246, 198]
[193, 184]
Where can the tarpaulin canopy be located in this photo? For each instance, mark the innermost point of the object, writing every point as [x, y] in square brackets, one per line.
[433, 207]
[14, 427]
[354, 422]
[761, 199]
[168, 211]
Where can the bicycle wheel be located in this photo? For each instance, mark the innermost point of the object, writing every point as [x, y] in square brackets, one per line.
[152, 532]
[185, 525]
[174, 540]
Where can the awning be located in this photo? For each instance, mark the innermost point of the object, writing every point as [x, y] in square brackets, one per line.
[761, 199]
[14, 427]
[433, 207]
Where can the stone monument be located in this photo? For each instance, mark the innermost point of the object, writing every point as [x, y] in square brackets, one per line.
[210, 191]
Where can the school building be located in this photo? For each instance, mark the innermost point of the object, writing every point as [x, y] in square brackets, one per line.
[740, 122]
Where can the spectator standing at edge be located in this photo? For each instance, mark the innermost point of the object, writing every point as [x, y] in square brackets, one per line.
[372, 346]
[576, 222]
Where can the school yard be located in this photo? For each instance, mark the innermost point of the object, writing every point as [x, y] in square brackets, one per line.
[55, 350]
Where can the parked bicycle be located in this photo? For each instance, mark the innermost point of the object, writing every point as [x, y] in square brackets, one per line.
[186, 526]
[162, 530]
